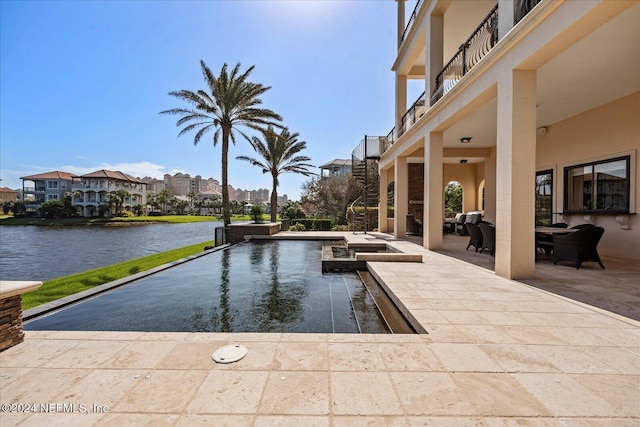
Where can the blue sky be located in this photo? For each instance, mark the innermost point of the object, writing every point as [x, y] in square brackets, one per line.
[82, 83]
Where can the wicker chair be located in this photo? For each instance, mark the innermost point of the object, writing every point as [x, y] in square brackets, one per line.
[545, 242]
[488, 237]
[475, 238]
[579, 246]
[414, 226]
[458, 226]
[581, 226]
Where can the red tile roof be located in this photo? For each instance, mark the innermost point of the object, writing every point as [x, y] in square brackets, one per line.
[7, 190]
[51, 175]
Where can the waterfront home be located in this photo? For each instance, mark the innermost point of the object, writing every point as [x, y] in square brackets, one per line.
[8, 195]
[46, 186]
[93, 190]
[532, 106]
[335, 167]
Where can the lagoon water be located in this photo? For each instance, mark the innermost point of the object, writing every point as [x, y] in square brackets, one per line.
[41, 253]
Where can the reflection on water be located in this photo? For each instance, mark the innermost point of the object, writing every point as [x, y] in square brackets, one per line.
[281, 303]
[252, 287]
[40, 253]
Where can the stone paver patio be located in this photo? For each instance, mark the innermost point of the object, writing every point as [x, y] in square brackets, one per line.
[497, 353]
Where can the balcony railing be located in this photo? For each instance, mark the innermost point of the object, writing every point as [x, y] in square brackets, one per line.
[483, 39]
[416, 111]
[521, 8]
[412, 19]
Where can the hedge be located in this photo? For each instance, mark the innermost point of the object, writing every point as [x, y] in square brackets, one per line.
[313, 224]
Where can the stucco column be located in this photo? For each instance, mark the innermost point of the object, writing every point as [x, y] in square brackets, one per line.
[401, 101]
[401, 202]
[434, 51]
[433, 199]
[490, 187]
[515, 174]
[382, 206]
[505, 17]
[401, 20]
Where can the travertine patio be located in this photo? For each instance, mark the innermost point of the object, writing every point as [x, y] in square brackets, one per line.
[497, 353]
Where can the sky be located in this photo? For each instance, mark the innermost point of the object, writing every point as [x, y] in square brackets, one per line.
[82, 82]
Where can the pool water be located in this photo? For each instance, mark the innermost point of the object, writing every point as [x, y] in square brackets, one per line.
[270, 286]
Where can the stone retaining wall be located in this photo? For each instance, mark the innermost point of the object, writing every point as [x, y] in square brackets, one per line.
[238, 231]
[11, 322]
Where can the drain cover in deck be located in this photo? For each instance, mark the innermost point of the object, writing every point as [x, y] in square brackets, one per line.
[229, 353]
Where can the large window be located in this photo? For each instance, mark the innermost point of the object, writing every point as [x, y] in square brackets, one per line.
[598, 187]
[544, 197]
[52, 185]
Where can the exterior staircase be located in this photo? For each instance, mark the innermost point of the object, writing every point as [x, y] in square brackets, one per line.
[364, 168]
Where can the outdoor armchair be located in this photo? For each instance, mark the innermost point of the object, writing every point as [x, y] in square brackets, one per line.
[545, 242]
[475, 236]
[488, 237]
[580, 246]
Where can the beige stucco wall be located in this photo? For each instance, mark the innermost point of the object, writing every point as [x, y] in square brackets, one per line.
[610, 130]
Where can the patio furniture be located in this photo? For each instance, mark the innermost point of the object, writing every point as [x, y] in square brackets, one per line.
[544, 242]
[580, 246]
[414, 226]
[488, 237]
[475, 238]
[459, 227]
[581, 226]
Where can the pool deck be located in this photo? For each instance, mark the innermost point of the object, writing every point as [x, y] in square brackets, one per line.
[498, 353]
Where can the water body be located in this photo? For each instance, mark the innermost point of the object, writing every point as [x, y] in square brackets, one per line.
[41, 253]
[272, 286]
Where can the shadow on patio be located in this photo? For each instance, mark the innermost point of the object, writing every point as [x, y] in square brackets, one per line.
[615, 289]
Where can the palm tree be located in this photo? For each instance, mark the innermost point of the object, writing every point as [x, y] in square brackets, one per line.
[229, 102]
[163, 198]
[279, 154]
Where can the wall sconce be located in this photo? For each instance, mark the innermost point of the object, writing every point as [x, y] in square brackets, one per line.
[541, 131]
[465, 139]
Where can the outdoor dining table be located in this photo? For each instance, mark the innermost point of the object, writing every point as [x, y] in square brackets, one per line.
[549, 231]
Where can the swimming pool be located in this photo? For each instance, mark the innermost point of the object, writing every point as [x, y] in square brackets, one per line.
[269, 286]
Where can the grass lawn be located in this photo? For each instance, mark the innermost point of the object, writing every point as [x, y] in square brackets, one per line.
[67, 285]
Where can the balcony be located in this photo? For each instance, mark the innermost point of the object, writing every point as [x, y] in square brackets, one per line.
[476, 47]
[481, 41]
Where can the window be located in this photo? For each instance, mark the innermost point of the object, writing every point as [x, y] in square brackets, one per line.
[544, 197]
[52, 185]
[598, 187]
[52, 197]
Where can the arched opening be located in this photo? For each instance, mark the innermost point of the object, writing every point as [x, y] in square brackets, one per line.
[452, 199]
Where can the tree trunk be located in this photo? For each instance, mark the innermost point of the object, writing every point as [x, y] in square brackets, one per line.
[226, 214]
[274, 199]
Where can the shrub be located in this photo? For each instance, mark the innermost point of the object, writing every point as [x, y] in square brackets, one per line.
[340, 228]
[256, 214]
[126, 213]
[313, 224]
[297, 227]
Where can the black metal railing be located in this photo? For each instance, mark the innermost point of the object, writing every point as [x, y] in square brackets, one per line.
[412, 19]
[483, 39]
[416, 111]
[521, 8]
[220, 236]
[391, 137]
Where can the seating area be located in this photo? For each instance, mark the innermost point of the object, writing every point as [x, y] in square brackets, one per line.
[579, 246]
